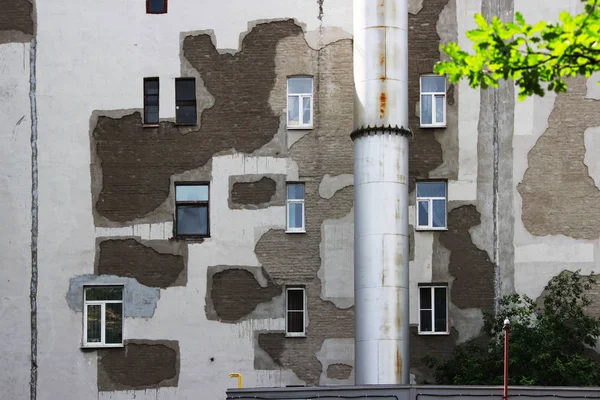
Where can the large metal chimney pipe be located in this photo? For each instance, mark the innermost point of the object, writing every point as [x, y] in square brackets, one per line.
[381, 140]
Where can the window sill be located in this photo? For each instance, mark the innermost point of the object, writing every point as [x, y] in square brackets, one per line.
[192, 238]
[150, 125]
[433, 126]
[293, 231]
[300, 127]
[434, 333]
[93, 346]
[295, 335]
[430, 229]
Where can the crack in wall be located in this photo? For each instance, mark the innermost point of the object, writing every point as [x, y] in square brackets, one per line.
[34, 221]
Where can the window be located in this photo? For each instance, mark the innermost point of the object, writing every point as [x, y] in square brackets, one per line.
[295, 311]
[150, 101]
[295, 207]
[433, 101]
[431, 205]
[103, 316]
[433, 309]
[156, 6]
[191, 204]
[300, 102]
[185, 101]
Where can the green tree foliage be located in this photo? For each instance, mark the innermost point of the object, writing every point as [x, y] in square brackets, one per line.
[532, 55]
[547, 341]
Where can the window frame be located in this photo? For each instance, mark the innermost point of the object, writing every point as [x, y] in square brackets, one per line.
[166, 5]
[199, 203]
[179, 103]
[102, 304]
[289, 201]
[146, 123]
[430, 200]
[432, 287]
[300, 96]
[433, 124]
[287, 311]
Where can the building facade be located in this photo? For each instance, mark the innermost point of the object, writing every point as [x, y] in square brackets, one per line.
[177, 193]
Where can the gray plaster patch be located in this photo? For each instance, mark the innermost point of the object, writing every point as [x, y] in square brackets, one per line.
[414, 6]
[336, 351]
[592, 149]
[325, 35]
[280, 192]
[593, 89]
[468, 322]
[139, 301]
[337, 263]
[331, 184]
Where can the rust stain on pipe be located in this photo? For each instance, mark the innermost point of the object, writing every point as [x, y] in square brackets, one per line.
[398, 363]
[382, 104]
[382, 59]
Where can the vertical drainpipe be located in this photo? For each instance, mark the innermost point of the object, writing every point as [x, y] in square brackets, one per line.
[381, 141]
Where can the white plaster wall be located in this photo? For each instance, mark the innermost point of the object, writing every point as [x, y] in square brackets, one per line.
[93, 56]
[538, 259]
[15, 219]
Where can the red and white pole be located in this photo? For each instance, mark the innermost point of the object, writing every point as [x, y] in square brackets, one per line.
[506, 331]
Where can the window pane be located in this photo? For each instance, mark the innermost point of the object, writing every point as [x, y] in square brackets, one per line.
[150, 86]
[425, 298]
[191, 192]
[440, 309]
[157, 6]
[295, 191]
[151, 100]
[151, 115]
[300, 85]
[306, 110]
[186, 114]
[423, 213]
[426, 109]
[185, 89]
[295, 211]
[431, 189]
[114, 323]
[192, 220]
[104, 293]
[295, 299]
[425, 321]
[440, 103]
[433, 84]
[439, 213]
[295, 322]
[293, 110]
[94, 322]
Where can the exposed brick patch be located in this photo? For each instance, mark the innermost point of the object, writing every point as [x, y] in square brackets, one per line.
[17, 15]
[132, 259]
[471, 267]
[254, 193]
[273, 345]
[559, 196]
[423, 53]
[137, 163]
[235, 293]
[339, 371]
[436, 346]
[327, 149]
[141, 364]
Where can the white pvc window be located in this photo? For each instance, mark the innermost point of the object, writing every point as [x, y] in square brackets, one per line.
[295, 208]
[103, 316]
[433, 310]
[433, 101]
[295, 311]
[300, 103]
[431, 205]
